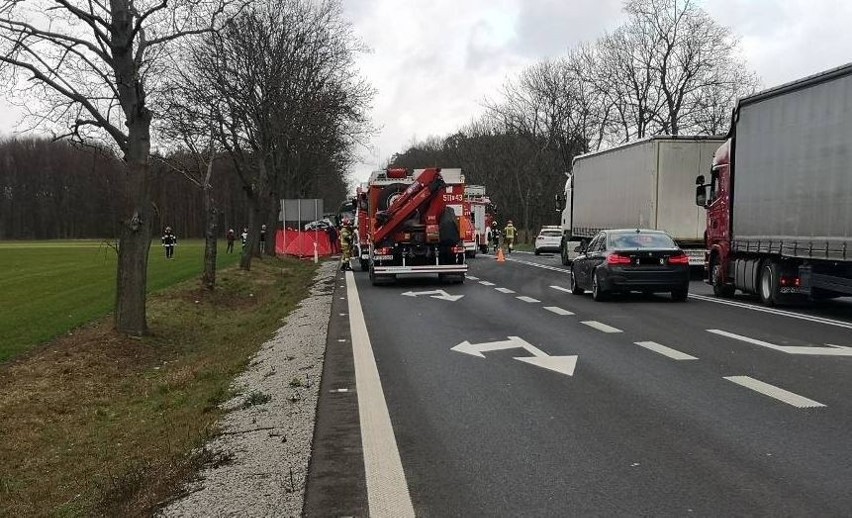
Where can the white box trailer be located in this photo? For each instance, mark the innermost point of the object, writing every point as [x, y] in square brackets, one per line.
[644, 184]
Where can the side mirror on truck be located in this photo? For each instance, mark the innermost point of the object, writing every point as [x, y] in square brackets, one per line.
[701, 195]
[559, 198]
[699, 180]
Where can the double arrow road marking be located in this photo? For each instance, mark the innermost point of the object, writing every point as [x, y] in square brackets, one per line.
[560, 364]
[435, 294]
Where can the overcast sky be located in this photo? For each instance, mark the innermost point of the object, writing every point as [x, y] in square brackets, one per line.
[433, 61]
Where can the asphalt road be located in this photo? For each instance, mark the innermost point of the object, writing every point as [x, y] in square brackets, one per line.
[700, 408]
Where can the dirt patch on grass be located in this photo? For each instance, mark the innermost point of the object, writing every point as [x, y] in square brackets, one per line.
[95, 423]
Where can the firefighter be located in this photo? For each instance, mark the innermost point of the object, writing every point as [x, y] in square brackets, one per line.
[346, 236]
[495, 236]
[169, 243]
[509, 236]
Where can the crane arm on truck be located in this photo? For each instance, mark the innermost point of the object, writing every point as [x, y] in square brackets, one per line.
[417, 194]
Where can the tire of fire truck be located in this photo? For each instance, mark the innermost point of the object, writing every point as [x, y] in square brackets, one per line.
[443, 278]
[365, 265]
[380, 279]
[389, 193]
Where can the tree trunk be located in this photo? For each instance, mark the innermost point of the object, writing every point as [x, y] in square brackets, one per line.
[208, 278]
[133, 247]
[253, 232]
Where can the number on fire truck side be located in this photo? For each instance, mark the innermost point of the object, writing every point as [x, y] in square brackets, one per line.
[453, 197]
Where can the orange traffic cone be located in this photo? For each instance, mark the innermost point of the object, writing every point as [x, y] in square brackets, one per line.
[500, 257]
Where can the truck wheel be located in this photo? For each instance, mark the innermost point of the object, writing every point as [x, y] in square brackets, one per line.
[365, 265]
[575, 288]
[720, 287]
[769, 288]
[598, 293]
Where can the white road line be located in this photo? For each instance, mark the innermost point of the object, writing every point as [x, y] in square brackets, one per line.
[560, 288]
[601, 327]
[387, 489]
[665, 351]
[772, 391]
[558, 311]
[471, 277]
[773, 311]
[527, 299]
[486, 283]
[504, 290]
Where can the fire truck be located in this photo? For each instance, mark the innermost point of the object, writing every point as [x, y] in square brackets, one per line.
[412, 223]
[477, 214]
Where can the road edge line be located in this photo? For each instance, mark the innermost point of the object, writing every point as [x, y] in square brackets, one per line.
[387, 488]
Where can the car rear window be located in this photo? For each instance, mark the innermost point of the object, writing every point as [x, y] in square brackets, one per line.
[640, 240]
[551, 233]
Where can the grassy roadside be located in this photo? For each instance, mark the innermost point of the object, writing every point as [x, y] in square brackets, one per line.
[49, 287]
[94, 423]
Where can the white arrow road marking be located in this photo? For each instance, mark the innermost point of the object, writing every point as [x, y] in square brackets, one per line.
[558, 311]
[504, 290]
[665, 351]
[435, 294]
[527, 299]
[774, 392]
[560, 288]
[486, 283]
[601, 327]
[830, 350]
[513, 342]
[561, 364]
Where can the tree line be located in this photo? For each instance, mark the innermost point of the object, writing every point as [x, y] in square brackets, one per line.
[184, 113]
[669, 69]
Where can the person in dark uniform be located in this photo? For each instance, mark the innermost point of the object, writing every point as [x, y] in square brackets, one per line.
[169, 243]
[262, 239]
[231, 237]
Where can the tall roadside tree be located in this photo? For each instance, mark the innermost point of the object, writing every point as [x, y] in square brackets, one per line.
[290, 102]
[94, 66]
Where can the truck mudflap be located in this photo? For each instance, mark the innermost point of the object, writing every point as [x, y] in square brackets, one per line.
[429, 268]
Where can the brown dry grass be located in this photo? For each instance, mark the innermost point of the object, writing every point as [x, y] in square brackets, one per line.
[95, 423]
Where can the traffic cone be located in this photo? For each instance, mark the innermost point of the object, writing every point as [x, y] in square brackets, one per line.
[500, 257]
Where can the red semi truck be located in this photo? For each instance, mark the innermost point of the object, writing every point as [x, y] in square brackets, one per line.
[413, 223]
[779, 196]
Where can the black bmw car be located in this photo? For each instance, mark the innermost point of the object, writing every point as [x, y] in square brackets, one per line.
[631, 260]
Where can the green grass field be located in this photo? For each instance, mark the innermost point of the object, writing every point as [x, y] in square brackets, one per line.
[50, 287]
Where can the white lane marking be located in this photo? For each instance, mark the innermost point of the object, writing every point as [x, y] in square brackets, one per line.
[665, 351]
[601, 327]
[560, 288]
[387, 489]
[504, 290]
[558, 311]
[546, 267]
[829, 350]
[773, 311]
[772, 391]
[486, 283]
[471, 277]
[705, 298]
[527, 299]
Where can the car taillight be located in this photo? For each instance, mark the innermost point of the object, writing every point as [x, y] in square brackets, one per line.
[615, 259]
[384, 251]
[679, 259]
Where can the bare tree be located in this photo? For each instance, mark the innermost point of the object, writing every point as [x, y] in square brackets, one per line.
[96, 66]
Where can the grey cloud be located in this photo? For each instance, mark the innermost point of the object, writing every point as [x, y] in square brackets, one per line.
[548, 28]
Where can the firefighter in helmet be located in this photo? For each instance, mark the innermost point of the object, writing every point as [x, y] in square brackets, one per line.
[495, 236]
[346, 237]
[509, 236]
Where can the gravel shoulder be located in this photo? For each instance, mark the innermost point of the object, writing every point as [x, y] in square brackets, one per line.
[263, 447]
